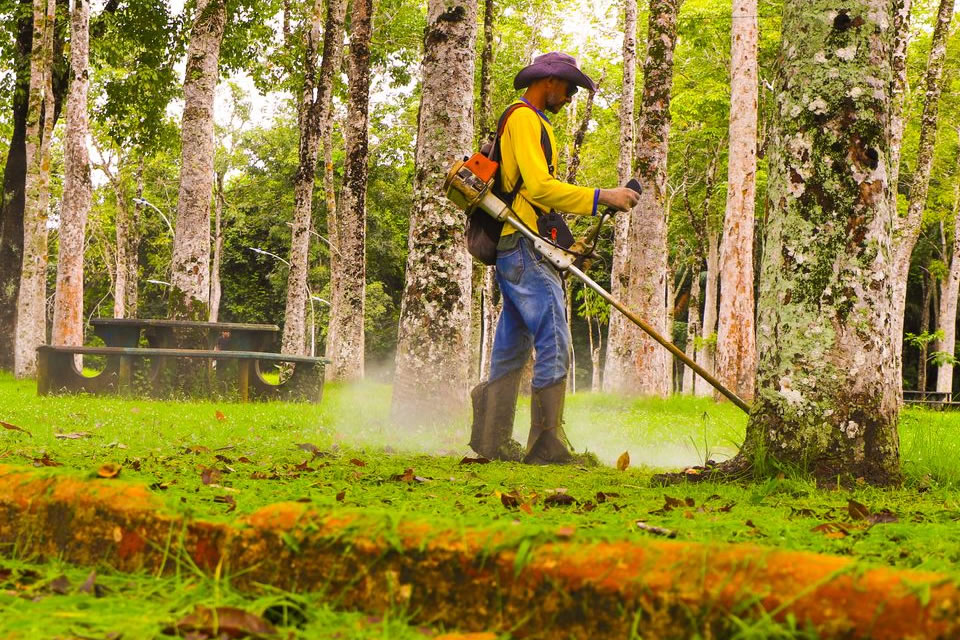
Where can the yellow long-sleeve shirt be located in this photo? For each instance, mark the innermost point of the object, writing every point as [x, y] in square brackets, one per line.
[521, 153]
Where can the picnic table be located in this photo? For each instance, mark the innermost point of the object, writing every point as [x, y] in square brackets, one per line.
[234, 352]
[931, 399]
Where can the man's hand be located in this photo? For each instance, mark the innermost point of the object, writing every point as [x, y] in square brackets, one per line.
[621, 198]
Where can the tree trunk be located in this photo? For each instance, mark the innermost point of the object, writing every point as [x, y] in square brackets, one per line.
[485, 121]
[347, 312]
[77, 189]
[908, 228]
[928, 284]
[190, 263]
[330, 197]
[827, 384]
[621, 225]
[433, 345]
[901, 31]
[736, 343]
[693, 330]
[947, 317]
[31, 299]
[14, 177]
[128, 242]
[706, 355]
[215, 289]
[315, 104]
[573, 165]
[635, 362]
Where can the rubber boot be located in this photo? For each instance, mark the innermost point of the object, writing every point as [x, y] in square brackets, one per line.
[494, 408]
[547, 442]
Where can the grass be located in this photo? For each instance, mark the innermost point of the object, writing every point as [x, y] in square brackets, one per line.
[256, 449]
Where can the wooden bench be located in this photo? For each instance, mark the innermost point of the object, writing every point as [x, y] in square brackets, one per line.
[57, 371]
[930, 399]
[161, 333]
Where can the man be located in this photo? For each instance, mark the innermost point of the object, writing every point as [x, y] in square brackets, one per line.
[533, 315]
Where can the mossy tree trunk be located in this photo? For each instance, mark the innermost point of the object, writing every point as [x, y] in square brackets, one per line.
[908, 228]
[190, 262]
[314, 108]
[736, 343]
[347, 310]
[827, 381]
[433, 346]
[486, 121]
[77, 188]
[31, 331]
[635, 362]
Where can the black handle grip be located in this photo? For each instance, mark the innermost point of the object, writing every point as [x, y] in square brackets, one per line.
[633, 184]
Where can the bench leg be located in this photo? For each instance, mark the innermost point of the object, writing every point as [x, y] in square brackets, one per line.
[243, 379]
[125, 376]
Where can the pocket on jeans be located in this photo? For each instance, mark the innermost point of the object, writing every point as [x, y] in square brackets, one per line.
[510, 264]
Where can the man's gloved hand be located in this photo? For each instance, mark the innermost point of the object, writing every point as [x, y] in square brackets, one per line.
[619, 199]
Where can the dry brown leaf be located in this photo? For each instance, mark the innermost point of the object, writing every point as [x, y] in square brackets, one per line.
[623, 461]
[228, 500]
[477, 460]
[219, 416]
[567, 531]
[13, 427]
[76, 435]
[358, 463]
[228, 622]
[109, 470]
[46, 461]
[857, 511]
[210, 475]
[341, 495]
[657, 531]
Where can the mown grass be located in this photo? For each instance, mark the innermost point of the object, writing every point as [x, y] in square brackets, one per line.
[264, 453]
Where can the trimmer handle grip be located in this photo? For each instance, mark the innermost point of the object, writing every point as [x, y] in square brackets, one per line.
[635, 185]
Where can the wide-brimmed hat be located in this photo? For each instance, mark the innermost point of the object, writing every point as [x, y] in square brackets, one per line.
[554, 64]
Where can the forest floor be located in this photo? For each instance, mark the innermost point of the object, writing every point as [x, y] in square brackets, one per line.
[219, 460]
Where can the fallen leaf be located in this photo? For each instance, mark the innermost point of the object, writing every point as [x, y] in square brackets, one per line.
[244, 459]
[60, 585]
[831, 530]
[802, 513]
[303, 466]
[76, 435]
[89, 585]
[341, 495]
[477, 460]
[198, 449]
[311, 448]
[219, 415]
[884, 516]
[228, 500]
[690, 502]
[224, 459]
[13, 427]
[228, 622]
[588, 506]
[602, 496]
[657, 531]
[159, 486]
[509, 500]
[210, 475]
[358, 463]
[857, 511]
[46, 461]
[109, 470]
[407, 476]
[526, 508]
[566, 532]
[623, 461]
[558, 499]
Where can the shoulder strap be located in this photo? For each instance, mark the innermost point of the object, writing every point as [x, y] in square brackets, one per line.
[545, 146]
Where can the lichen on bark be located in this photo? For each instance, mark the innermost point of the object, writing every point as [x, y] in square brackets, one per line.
[827, 385]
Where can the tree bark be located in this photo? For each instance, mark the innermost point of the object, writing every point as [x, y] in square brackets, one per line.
[315, 104]
[485, 121]
[573, 165]
[77, 189]
[190, 263]
[347, 312]
[693, 330]
[947, 316]
[433, 346]
[635, 362]
[215, 289]
[14, 177]
[908, 228]
[127, 237]
[901, 31]
[927, 286]
[827, 384]
[706, 354]
[621, 225]
[31, 298]
[736, 342]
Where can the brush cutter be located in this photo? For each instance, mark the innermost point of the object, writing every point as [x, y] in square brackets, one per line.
[468, 185]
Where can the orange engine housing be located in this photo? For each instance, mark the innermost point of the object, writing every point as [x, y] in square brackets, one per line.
[482, 167]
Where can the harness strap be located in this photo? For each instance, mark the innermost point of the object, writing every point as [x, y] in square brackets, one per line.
[545, 146]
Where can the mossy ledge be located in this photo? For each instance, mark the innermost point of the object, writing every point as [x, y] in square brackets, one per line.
[475, 580]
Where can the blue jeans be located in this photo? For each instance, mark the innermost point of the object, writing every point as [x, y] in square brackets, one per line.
[533, 316]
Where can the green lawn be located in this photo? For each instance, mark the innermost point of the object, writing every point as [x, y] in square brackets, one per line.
[264, 453]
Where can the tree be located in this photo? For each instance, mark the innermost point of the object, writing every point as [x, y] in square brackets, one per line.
[736, 346]
[908, 228]
[314, 111]
[31, 329]
[77, 189]
[190, 269]
[827, 383]
[635, 362]
[347, 310]
[433, 345]
[947, 316]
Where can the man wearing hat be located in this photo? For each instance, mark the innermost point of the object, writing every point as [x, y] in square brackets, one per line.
[533, 315]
